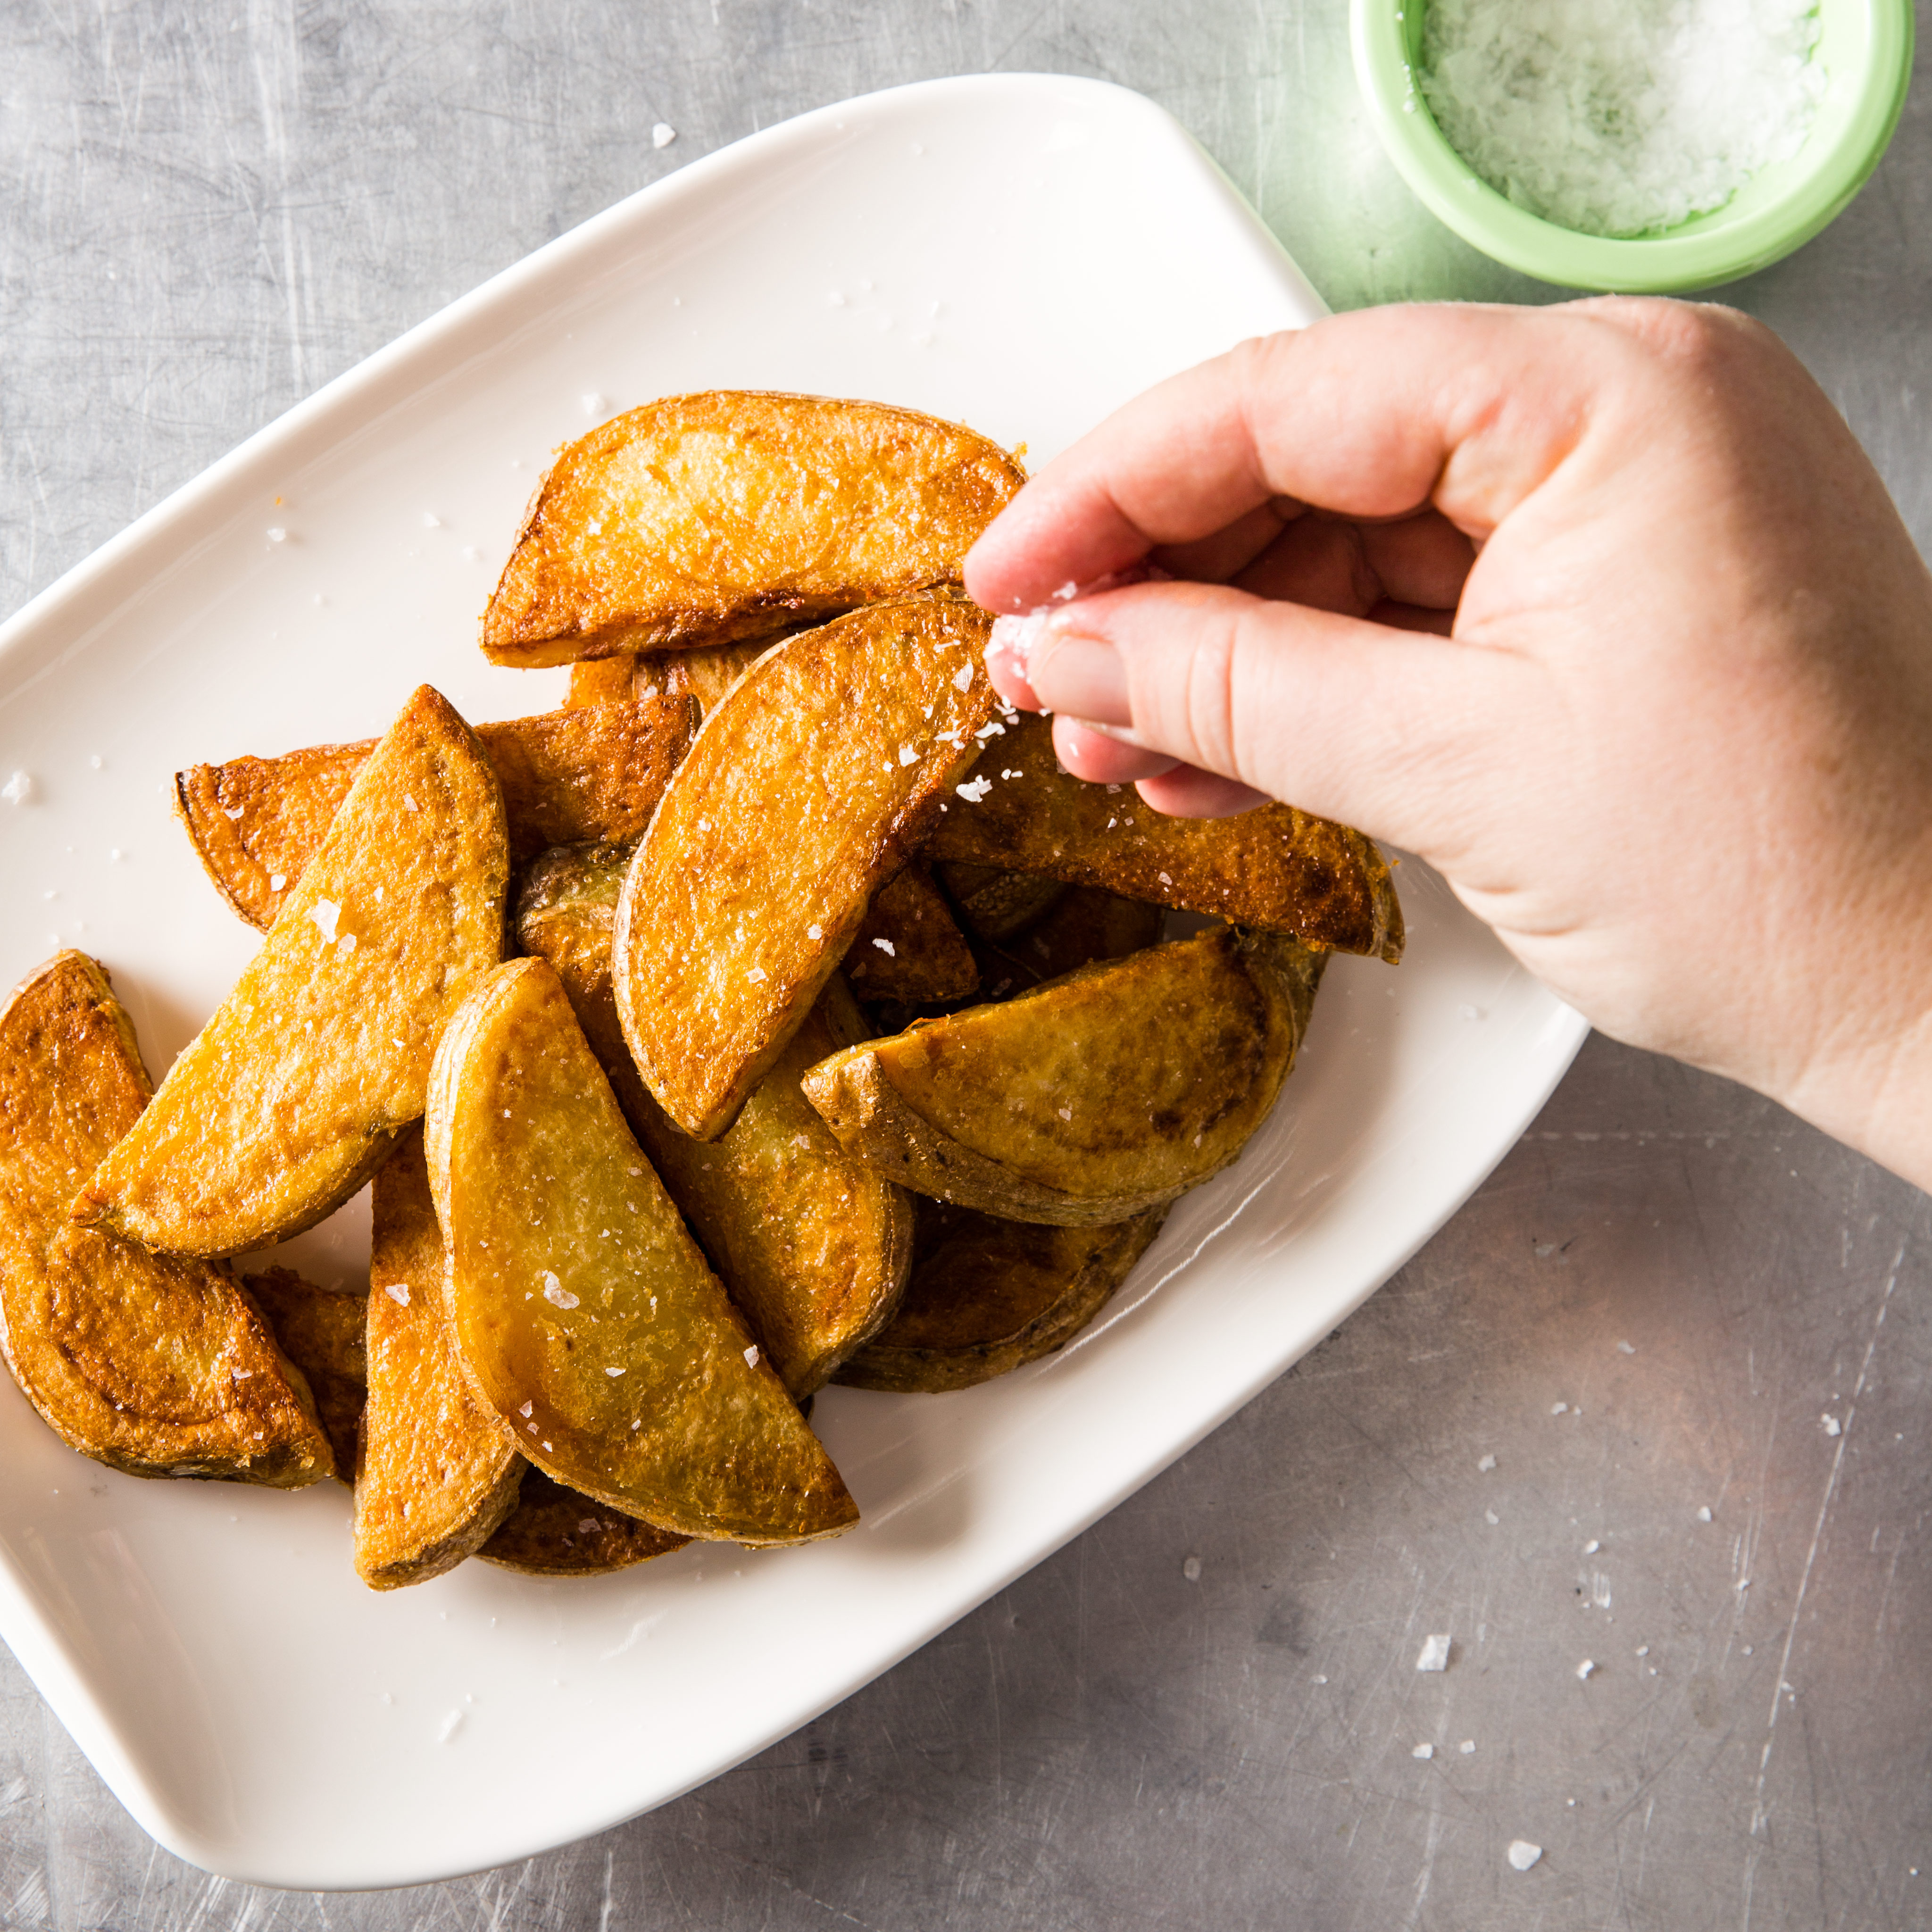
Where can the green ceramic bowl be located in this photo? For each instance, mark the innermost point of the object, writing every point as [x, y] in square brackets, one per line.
[1866, 46]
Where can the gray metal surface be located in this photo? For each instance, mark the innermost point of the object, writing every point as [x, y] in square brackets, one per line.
[208, 210]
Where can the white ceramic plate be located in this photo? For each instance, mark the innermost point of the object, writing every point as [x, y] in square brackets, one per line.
[1021, 253]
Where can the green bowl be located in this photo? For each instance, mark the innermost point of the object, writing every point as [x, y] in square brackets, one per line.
[1866, 47]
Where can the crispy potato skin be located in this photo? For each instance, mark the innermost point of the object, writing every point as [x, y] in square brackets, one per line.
[996, 905]
[436, 1475]
[323, 1332]
[810, 780]
[566, 1262]
[1274, 868]
[812, 1246]
[554, 1532]
[566, 775]
[907, 946]
[987, 1296]
[1114, 1088]
[704, 519]
[290, 1098]
[154, 1367]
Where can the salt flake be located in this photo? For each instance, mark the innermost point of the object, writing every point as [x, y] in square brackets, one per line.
[1423, 1751]
[1831, 1424]
[1522, 1854]
[325, 913]
[555, 1292]
[1435, 1653]
[962, 678]
[886, 947]
[751, 1356]
[1584, 1670]
[974, 790]
[662, 134]
[1486, 1463]
[398, 1291]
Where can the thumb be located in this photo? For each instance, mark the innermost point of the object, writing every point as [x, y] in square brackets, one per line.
[1383, 729]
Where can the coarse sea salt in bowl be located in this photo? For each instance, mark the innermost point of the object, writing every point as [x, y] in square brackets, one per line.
[1847, 109]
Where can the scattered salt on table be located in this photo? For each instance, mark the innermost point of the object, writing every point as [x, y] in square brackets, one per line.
[1435, 1655]
[1522, 1854]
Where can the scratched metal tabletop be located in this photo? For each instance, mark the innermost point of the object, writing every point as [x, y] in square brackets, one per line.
[1658, 1400]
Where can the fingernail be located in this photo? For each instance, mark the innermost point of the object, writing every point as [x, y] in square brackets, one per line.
[1083, 675]
[1121, 734]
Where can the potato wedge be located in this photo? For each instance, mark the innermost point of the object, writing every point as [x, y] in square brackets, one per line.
[155, 1366]
[907, 946]
[290, 1097]
[554, 1532]
[987, 1296]
[1113, 1089]
[600, 681]
[1085, 924]
[1274, 868]
[705, 673]
[799, 798]
[436, 1475]
[565, 775]
[701, 519]
[584, 1314]
[995, 904]
[324, 1334]
[812, 1245]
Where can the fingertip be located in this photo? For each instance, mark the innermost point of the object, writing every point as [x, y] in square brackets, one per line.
[1101, 759]
[1187, 792]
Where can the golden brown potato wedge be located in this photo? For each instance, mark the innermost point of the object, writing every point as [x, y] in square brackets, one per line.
[995, 904]
[1085, 924]
[701, 519]
[155, 1366]
[323, 1333]
[1113, 1089]
[584, 1314]
[811, 1244]
[290, 1097]
[436, 1474]
[987, 1296]
[566, 775]
[800, 797]
[907, 946]
[600, 681]
[554, 1532]
[705, 673]
[1274, 868]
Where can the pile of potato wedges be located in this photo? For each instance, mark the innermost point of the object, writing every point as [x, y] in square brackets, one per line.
[777, 1013]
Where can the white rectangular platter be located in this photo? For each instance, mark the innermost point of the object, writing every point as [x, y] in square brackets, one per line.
[1022, 253]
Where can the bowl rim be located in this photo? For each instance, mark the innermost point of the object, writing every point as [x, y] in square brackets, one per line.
[1464, 201]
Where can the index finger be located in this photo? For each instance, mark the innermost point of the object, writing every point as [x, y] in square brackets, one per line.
[1371, 415]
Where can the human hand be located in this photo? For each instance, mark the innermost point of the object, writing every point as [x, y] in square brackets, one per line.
[1601, 609]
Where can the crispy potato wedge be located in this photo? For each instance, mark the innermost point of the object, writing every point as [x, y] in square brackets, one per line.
[566, 775]
[436, 1475]
[584, 1314]
[812, 1245]
[554, 1532]
[323, 1332]
[702, 519]
[995, 904]
[155, 1366]
[1085, 924]
[705, 673]
[987, 1296]
[290, 1097]
[1273, 868]
[907, 946]
[1109, 1090]
[800, 797]
[600, 681]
